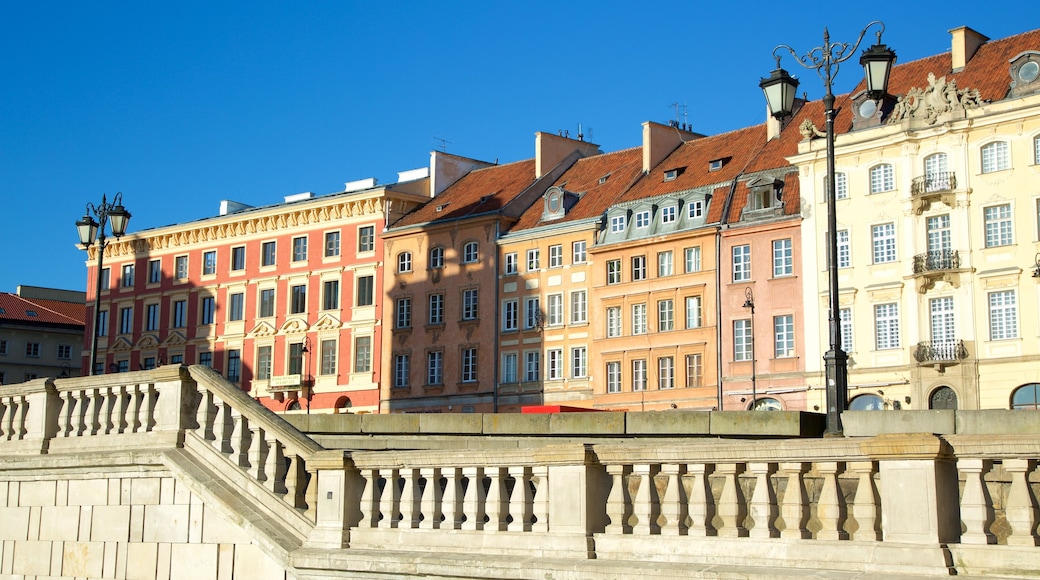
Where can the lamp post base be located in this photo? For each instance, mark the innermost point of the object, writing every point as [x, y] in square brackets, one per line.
[837, 369]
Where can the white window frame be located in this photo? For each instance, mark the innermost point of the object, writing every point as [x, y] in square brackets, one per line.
[665, 372]
[613, 271]
[403, 313]
[579, 253]
[883, 242]
[511, 264]
[995, 156]
[470, 304]
[741, 263]
[510, 368]
[668, 214]
[1003, 315]
[510, 315]
[886, 326]
[638, 268]
[579, 362]
[532, 311]
[695, 209]
[639, 318]
[999, 225]
[693, 259]
[554, 309]
[614, 322]
[642, 219]
[639, 374]
[783, 331]
[783, 258]
[534, 259]
[404, 262]
[665, 264]
[694, 312]
[402, 369]
[665, 315]
[844, 249]
[742, 340]
[617, 224]
[556, 256]
[470, 253]
[554, 364]
[579, 307]
[882, 178]
[469, 365]
[532, 366]
[614, 376]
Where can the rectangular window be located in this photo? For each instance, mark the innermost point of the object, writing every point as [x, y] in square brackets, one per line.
[470, 304]
[579, 362]
[665, 315]
[3, 347]
[742, 349]
[209, 262]
[841, 186]
[555, 309]
[64, 351]
[403, 313]
[510, 315]
[470, 253]
[331, 244]
[638, 268]
[886, 326]
[469, 365]
[532, 367]
[783, 258]
[554, 364]
[149, 363]
[998, 225]
[695, 209]
[613, 321]
[884, 240]
[266, 303]
[579, 307]
[693, 259]
[106, 278]
[238, 258]
[363, 354]
[511, 263]
[664, 264]
[263, 363]
[234, 365]
[783, 329]
[556, 256]
[103, 325]
[296, 358]
[578, 255]
[532, 313]
[643, 219]
[207, 306]
[533, 260]
[126, 320]
[995, 157]
[404, 262]
[436, 310]
[330, 295]
[845, 319]
[694, 370]
[613, 377]
[366, 239]
[152, 315]
[402, 368]
[328, 357]
[693, 312]
[741, 263]
[1003, 315]
[180, 313]
[298, 299]
[436, 258]
[154, 271]
[268, 252]
[175, 359]
[509, 368]
[128, 276]
[613, 271]
[668, 214]
[665, 372]
[617, 224]
[32, 349]
[881, 178]
[180, 268]
[639, 375]
[236, 306]
[639, 319]
[205, 359]
[365, 290]
[299, 249]
[844, 249]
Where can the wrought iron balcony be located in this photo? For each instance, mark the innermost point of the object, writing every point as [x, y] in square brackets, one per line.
[930, 267]
[940, 351]
[938, 182]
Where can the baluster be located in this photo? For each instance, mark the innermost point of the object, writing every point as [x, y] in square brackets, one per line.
[135, 407]
[976, 506]
[108, 421]
[866, 507]
[430, 504]
[389, 499]
[540, 501]
[151, 399]
[82, 424]
[206, 415]
[122, 403]
[496, 507]
[830, 509]
[1021, 505]
[21, 419]
[451, 502]
[520, 500]
[473, 504]
[296, 482]
[673, 502]
[257, 453]
[64, 411]
[95, 413]
[5, 418]
[239, 439]
[795, 506]
[700, 503]
[618, 504]
[223, 427]
[731, 508]
[763, 502]
[410, 513]
[644, 504]
[370, 499]
[275, 467]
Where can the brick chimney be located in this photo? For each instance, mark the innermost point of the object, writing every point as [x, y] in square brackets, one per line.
[660, 140]
[550, 150]
[965, 43]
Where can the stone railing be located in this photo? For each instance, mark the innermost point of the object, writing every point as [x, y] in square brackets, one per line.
[933, 183]
[936, 260]
[928, 351]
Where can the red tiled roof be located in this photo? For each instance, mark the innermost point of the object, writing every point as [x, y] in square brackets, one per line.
[16, 309]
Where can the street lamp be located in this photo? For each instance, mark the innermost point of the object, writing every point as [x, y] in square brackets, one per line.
[779, 92]
[113, 214]
[749, 302]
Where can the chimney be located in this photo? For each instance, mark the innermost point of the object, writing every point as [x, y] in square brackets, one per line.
[446, 169]
[966, 43]
[549, 150]
[660, 140]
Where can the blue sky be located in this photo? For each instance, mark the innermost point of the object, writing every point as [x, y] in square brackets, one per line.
[180, 105]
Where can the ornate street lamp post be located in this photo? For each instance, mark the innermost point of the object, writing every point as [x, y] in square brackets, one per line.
[749, 302]
[91, 230]
[779, 91]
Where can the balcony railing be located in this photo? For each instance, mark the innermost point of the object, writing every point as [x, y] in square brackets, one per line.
[937, 260]
[940, 351]
[937, 182]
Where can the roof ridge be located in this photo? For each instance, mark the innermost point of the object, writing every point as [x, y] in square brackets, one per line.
[497, 165]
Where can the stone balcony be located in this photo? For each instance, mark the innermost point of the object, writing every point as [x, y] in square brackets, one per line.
[940, 354]
[927, 189]
[934, 266]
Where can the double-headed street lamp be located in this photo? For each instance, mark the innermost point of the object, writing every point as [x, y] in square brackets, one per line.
[749, 302]
[779, 90]
[91, 230]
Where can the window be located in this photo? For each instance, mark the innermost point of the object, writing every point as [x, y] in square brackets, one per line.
[943, 330]
[532, 260]
[295, 358]
[3, 347]
[613, 321]
[206, 308]
[935, 173]
[236, 306]
[511, 263]
[180, 269]
[404, 262]
[469, 304]
[151, 317]
[783, 330]
[154, 271]
[510, 315]
[693, 259]
[579, 362]
[209, 263]
[403, 313]
[694, 370]
[844, 249]
[32, 349]
[532, 367]
[695, 209]
[366, 239]
[469, 365]
[783, 258]
[998, 225]
[436, 257]
[886, 326]
[579, 307]
[106, 277]
[554, 364]
[266, 303]
[639, 319]
[509, 367]
[263, 363]
[436, 310]
[841, 186]
[126, 320]
[64, 351]
[556, 256]
[328, 357]
[668, 214]
[1003, 315]
[741, 263]
[881, 178]
[238, 258]
[330, 295]
[613, 377]
[995, 157]
[664, 264]
[149, 363]
[665, 315]
[1026, 397]
[103, 323]
[1036, 150]
[175, 359]
[639, 375]
[555, 309]
[617, 223]
[205, 359]
[638, 268]
[742, 348]
[363, 354]
[469, 253]
[234, 365]
[693, 312]
[532, 312]
[845, 321]
[884, 239]
[365, 290]
[665, 372]
[331, 244]
[613, 271]
[128, 276]
[299, 249]
[298, 299]
[268, 252]
[578, 255]
[402, 368]
[643, 219]
[180, 313]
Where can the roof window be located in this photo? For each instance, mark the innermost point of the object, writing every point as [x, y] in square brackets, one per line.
[31, 313]
[671, 174]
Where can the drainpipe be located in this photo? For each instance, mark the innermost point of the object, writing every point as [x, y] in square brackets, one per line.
[494, 350]
[718, 283]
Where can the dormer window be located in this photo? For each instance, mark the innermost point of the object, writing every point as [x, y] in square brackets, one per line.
[695, 209]
[765, 194]
[556, 203]
[617, 223]
[671, 174]
[604, 179]
[668, 214]
[1025, 74]
[716, 164]
[643, 219]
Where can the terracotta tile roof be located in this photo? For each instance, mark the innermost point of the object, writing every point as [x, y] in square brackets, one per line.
[479, 191]
[620, 168]
[17, 309]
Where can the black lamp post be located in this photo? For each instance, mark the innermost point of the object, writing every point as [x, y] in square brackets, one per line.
[779, 92]
[117, 216]
[749, 302]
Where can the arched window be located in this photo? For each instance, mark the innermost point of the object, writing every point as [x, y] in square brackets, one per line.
[882, 178]
[937, 173]
[469, 253]
[995, 157]
[943, 398]
[867, 403]
[342, 404]
[1026, 397]
[294, 405]
[404, 262]
[767, 404]
[436, 257]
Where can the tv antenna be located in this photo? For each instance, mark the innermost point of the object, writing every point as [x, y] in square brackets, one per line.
[444, 144]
